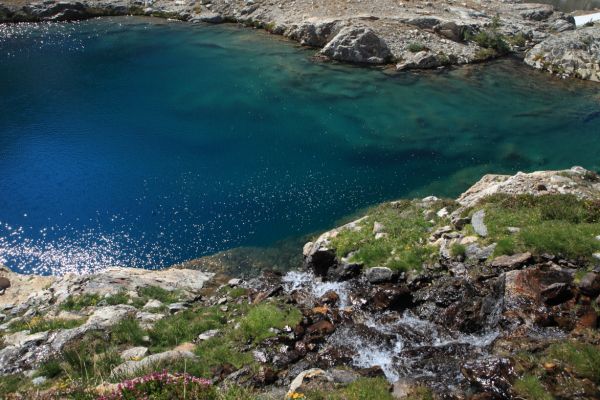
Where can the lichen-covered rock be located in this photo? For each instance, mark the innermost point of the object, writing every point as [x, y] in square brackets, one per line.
[577, 181]
[572, 53]
[358, 45]
[315, 33]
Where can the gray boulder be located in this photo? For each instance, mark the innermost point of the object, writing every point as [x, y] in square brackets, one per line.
[571, 53]
[358, 45]
[379, 274]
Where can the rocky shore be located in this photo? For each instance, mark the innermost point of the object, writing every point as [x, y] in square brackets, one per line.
[493, 295]
[408, 34]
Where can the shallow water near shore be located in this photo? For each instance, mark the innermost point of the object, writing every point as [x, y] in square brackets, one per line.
[143, 142]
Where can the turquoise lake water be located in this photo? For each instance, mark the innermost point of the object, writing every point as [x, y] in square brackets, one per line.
[143, 142]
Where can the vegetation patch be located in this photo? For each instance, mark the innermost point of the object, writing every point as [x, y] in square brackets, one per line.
[556, 224]
[41, 324]
[403, 248]
[530, 388]
[185, 326]
[256, 325]
[361, 389]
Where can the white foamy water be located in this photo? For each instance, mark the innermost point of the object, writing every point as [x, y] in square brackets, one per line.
[386, 334]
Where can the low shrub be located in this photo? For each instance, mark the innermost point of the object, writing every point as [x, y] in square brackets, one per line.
[164, 385]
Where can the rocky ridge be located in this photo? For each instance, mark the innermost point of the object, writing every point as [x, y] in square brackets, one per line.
[494, 295]
[412, 35]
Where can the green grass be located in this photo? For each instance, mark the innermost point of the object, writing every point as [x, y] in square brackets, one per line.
[361, 389]
[77, 303]
[530, 388]
[490, 38]
[218, 351]
[127, 331]
[50, 369]
[557, 224]
[405, 246]
[87, 361]
[158, 293]
[583, 359]
[39, 324]
[184, 326]
[256, 324]
[11, 384]
[458, 250]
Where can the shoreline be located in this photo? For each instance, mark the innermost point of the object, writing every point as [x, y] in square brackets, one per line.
[411, 36]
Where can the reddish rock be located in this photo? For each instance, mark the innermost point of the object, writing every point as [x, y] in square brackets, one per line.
[330, 297]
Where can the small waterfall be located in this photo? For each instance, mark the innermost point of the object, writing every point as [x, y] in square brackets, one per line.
[401, 343]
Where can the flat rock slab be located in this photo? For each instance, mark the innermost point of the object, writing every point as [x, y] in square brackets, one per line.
[514, 261]
[129, 368]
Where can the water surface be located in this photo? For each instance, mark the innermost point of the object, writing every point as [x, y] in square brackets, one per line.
[143, 142]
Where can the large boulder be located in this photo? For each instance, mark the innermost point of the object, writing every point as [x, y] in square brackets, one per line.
[358, 45]
[571, 53]
[315, 33]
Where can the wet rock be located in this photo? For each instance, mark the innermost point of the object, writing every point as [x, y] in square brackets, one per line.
[478, 224]
[524, 287]
[317, 331]
[378, 275]
[590, 284]
[511, 262]
[211, 18]
[265, 376]
[421, 60]
[330, 297]
[491, 375]
[556, 293]
[389, 297]
[357, 45]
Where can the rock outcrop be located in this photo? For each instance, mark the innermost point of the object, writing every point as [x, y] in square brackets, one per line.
[358, 45]
[569, 54]
[415, 35]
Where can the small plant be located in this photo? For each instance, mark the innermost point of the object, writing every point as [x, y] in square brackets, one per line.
[491, 39]
[530, 388]
[163, 385]
[416, 47]
[128, 331]
[582, 359]
[458, 250]
[518, 40]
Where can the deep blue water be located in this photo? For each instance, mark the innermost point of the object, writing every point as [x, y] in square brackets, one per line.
[143, 142]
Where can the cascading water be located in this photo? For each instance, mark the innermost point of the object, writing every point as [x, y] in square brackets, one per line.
[400, 343]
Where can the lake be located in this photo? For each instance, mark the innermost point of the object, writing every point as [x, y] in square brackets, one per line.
[144, 142]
